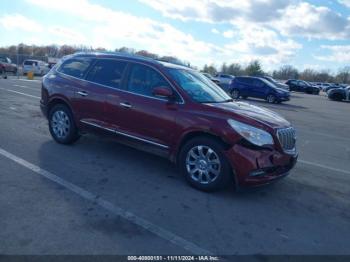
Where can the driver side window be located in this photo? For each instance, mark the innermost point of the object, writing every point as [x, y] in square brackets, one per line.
[143, 79]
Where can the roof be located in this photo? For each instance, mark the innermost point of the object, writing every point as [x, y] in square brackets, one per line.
[131, 57]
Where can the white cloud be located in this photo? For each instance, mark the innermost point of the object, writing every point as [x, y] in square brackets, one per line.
[111, 29]
[229, 34]
[264, 44]
[337, 53]
[289, 17]
[19, 22]
[311, 21]
[345, 2]
[215, 31]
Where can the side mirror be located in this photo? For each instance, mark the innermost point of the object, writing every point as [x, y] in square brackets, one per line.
[163, 92]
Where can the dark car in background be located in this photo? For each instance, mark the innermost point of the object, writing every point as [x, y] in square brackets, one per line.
[170, 110]
[302, 86]
[339, 94]
[276, 83]
[245, 86]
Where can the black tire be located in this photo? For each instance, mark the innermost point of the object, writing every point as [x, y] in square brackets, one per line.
[223, 176]
[271, 99]
[3, 73]
[71, 132]
[235, 94]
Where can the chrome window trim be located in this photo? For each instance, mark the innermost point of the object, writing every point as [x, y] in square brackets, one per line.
[125, 134]
[118, 89]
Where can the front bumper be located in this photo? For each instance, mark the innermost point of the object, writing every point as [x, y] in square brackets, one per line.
[259, 167]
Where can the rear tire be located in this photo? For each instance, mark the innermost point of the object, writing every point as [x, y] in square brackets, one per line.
[3, 73]
[203, 163]
[62, 126]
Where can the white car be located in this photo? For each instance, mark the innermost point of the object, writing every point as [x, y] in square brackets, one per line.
[36, 66]
[224, 79]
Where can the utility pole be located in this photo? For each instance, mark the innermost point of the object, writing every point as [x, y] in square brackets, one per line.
[17, 61]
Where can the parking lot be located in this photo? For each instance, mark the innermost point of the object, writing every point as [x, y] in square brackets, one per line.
[100, 197]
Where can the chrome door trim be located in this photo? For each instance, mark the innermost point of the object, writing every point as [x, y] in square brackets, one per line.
[125, 134]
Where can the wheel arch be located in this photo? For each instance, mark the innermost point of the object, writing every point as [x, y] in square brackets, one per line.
[193, 134]
[58, 100]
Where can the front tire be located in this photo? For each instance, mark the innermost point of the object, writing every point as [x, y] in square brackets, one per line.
[204, 164]
[271, 99]
[235, 94]
[62, 126]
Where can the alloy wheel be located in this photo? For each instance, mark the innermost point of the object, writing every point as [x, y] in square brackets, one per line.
[60, 124]
[203, 164]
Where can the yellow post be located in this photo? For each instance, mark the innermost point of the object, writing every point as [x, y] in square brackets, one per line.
[30, 75]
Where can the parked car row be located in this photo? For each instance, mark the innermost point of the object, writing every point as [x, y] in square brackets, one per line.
[38, 67]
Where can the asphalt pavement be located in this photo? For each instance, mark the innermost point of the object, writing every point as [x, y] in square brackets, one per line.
[100, 197]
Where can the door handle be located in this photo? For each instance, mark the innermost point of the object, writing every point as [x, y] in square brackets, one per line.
[125, 104]
[82, 93]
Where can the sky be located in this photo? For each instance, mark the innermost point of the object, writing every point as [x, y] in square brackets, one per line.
[303, 33]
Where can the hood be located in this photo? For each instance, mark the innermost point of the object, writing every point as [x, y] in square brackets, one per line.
[259, 114]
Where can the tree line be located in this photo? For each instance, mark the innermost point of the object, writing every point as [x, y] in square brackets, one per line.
[285, 72]
[18, 53]
[21, 52]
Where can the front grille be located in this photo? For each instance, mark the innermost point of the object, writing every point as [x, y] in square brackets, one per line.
[287, 139]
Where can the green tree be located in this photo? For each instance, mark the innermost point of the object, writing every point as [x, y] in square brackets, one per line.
[254, 69]
[235, 70]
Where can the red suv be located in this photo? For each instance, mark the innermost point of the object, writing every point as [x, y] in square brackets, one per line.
[169, 110]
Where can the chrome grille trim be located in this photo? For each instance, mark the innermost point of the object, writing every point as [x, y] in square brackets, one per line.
[287, 139]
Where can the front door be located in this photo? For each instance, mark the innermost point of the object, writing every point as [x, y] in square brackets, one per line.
[145, 117]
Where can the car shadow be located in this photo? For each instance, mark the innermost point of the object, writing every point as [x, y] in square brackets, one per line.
[282, 106]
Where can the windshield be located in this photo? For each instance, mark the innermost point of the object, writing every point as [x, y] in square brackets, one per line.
[272, 84]
[198, 87]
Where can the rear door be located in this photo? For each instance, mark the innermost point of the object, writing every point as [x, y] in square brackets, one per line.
[106, 80]
[87, 100]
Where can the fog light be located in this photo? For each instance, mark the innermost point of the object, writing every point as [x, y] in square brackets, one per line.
[257, 173]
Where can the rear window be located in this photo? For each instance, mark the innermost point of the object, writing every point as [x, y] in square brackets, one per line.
[30, 63]
[75, 67]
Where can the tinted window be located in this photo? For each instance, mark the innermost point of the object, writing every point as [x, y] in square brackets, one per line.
[2, 59]
[30, 63]
[258, 83]
[245, 80]
[107, 72]
[75, 67]
[143, 79]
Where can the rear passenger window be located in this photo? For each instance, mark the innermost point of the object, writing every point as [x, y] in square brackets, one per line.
[258, 83]
[245, 81]
[107, 72]
[75, 67]
[143, 80]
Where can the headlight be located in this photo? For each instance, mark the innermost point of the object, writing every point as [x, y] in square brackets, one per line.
[254, 135]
